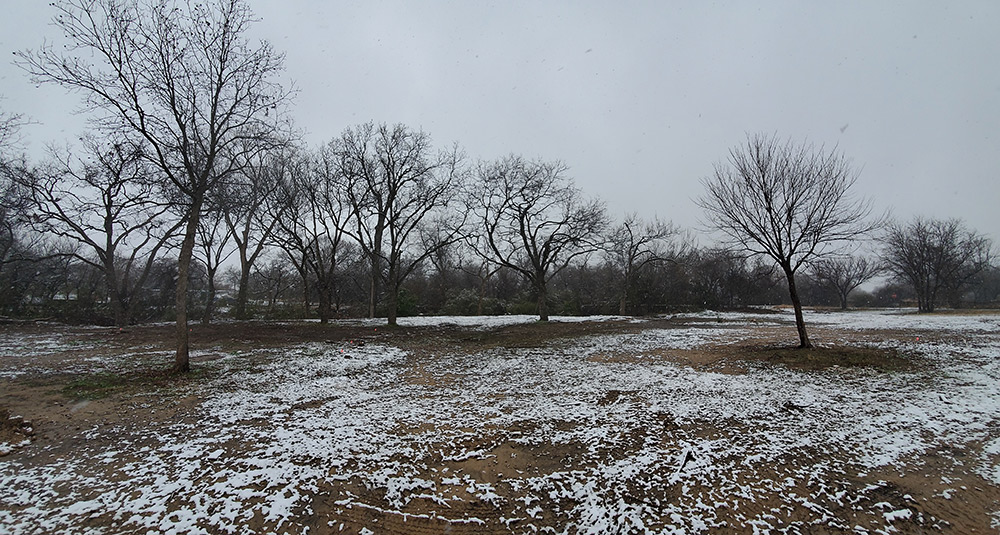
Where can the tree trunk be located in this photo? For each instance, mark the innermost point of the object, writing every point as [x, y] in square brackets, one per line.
[114, 292]
[324, 301]
[484, 277]
[373, 290]
[543, 300]
[800, 323]
[305, 291]
[626, 286]
[210, 303]
[241, 293]
[392, 307]
[479, 298]
[843, 300]
[117, 306]
[182, 363]
[392, 311]
[925, 298]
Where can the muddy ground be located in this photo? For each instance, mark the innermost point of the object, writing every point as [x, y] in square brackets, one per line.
[69, 393]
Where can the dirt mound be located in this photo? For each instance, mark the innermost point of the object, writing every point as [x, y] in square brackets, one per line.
[14, 432]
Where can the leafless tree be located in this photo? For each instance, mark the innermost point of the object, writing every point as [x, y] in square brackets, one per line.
[633, 244]
[727, 278]
[315, 212]
[446, 264]
[273, 280]
[107, 202]
[483, 268]
[251, 209]
[400, 192]
[534, 221]
[213, 249]
[985, 287]
[182, 77]
[786, 201]
[12, 199]
[845, 273]
[932, 255]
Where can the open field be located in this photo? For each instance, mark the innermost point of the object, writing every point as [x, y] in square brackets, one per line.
[701, 423]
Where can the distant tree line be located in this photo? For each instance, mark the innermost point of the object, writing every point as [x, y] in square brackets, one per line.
[296, 276]
[191, 198]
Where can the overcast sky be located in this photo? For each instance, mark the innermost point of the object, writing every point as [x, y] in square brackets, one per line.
[639, 99]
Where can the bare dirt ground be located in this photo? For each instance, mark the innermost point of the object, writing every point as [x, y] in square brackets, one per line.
[95, 438]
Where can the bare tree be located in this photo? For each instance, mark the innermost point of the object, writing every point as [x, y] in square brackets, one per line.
[106, 202]
[985, 287]
[213, 249]
[400, 191]
[727, 278]
[845, 273]
[251, 209]
[182, 77]
[534, 221]
[789, 202]
[483, 268]
[933, 255]
[272, 281]
[12, 199]
[634, 244]
[10, 132]
[311, 230]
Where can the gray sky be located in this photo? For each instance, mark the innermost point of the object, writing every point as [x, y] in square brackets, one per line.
[640, 99]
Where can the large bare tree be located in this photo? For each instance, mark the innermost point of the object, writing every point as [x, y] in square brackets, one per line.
[400, 190]
[181, 76]
[534, 221]
[790, 202]
[107, 203]
[933, 255]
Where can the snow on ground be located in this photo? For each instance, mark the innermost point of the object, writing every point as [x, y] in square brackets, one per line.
[19, 352]
[320, 417]
[867, 319]
[26, 353]
[904, 319]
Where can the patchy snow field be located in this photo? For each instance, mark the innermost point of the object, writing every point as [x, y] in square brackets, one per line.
[606, 433]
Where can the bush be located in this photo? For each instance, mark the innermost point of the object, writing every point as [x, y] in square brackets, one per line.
[466, 303]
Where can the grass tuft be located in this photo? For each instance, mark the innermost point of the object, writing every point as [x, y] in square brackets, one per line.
[821, 358]
[101, 385]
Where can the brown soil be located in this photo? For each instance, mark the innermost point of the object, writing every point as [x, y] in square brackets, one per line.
[54, 408]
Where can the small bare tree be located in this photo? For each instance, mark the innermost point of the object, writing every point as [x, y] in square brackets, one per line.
[107, 203]
[845, 273]
[534, 221]
[789, 202]
[183, 78]
[933, 255]
[213, 249]
[272, 281]
[634, 244]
